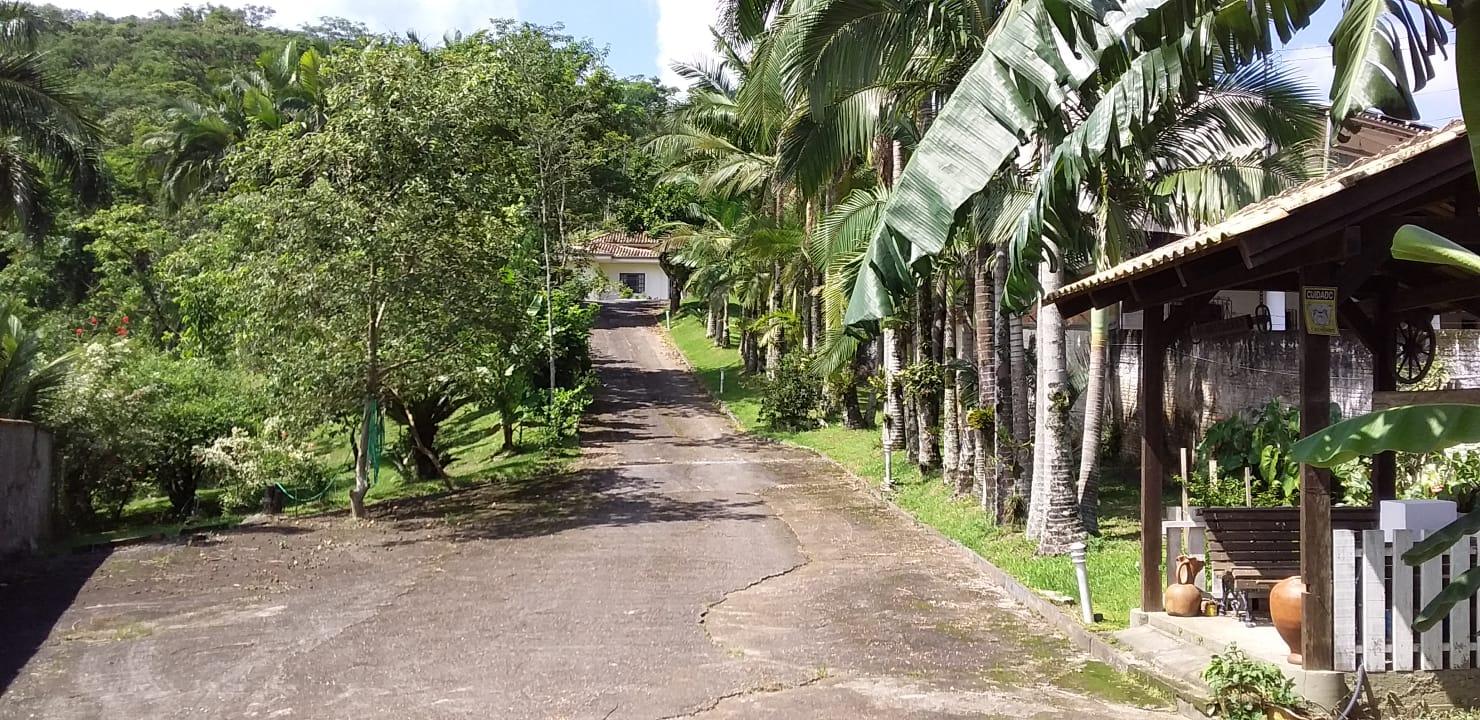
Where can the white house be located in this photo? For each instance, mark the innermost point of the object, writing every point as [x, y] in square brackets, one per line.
[630, 260]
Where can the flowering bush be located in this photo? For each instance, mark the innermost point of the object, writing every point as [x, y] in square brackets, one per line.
[129, 415]
[243, 465]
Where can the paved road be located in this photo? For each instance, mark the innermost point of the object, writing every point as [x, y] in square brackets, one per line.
[683, 571]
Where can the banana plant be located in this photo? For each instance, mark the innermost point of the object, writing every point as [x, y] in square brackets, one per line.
[1422, 428]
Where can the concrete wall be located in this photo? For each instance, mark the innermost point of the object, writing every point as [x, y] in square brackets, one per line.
[1213, 379]
[656, 280]
[25, 486]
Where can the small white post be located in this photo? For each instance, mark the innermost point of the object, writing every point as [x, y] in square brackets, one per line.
[1081, 573]
[1248, 487]
[1186, 478]
[888, 453]
[668, 315]
[722, 382]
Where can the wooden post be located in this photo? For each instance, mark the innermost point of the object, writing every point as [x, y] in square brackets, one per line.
[1153, 448]
[1248, 487]
[1317, 643]
[1384, 378]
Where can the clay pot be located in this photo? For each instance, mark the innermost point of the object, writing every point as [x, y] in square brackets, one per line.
[1286, 609]
[1182, 598]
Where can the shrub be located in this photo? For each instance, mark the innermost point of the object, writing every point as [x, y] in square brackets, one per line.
[566, 408]
[790, 399]
[1247, 689]
[244, 465]
[128, 415]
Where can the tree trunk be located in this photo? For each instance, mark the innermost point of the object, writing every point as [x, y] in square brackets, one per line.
[853, 418]
[371, 414]
[1050, 380]
[965, 470]
[507, 418]
[950, 404]
[986, 383]
[362, 459]
[1022, 422]
[774, 348]
[894, 435]
[1007, 438]
[927, 402]
[1060, 506]
[1094, 414]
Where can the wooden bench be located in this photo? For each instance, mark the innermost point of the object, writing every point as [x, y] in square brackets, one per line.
[1251, 549]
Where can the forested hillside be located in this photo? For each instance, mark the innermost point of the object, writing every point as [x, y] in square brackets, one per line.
[240, 258]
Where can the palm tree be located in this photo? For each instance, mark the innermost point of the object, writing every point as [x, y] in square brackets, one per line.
[282, 89]
[1099, 110]
[27, 377]
[44, 131]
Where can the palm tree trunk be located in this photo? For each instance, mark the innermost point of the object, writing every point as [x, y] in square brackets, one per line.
[1050, 336]
[894, 434]
[927, 403]
[1094, 414]
[1061, 524]
[778, 299]
[950, 406]
[966, 348]
[986, 381]
[1006, 438]
[1017, 361]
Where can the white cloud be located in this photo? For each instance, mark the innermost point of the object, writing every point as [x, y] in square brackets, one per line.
[430, 18]
[683, 34]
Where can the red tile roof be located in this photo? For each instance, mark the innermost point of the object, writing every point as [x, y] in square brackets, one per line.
[625, 245]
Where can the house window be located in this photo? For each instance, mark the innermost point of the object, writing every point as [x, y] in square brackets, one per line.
[637, 282]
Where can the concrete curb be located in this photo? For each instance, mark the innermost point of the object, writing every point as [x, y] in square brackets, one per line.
[1081, 638]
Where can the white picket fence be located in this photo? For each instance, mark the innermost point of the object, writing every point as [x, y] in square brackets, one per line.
[1377, 596]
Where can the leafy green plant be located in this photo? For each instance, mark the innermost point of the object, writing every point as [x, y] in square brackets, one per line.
[1247, 689]
[1261, 443]
[244, 464]
[790, 399]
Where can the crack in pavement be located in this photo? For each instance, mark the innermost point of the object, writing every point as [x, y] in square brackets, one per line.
[765, 690]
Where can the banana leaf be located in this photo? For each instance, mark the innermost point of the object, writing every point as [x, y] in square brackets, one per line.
[1457, 591]
[1420, 245]
[1410, 429]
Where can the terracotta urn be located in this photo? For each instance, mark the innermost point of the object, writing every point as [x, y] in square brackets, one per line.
[1286, 609]
[1183, 598]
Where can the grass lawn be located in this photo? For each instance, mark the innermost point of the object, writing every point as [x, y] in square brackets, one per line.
[471, 437]
[1113, 557]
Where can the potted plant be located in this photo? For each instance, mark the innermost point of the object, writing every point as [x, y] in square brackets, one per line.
[1247, 689]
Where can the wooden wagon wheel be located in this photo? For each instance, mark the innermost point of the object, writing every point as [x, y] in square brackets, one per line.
[1415, 350]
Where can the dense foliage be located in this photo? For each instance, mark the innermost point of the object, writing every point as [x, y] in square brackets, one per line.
[296, 236]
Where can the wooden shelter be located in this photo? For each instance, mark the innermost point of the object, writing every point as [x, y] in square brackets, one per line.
[1331, 234]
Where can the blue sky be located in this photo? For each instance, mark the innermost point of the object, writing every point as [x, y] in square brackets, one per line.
[644, 36]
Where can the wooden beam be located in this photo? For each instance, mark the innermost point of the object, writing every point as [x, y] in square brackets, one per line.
[1353, 317]
[1438, 294]
[1377, 248]
[1235, 274]
[1317, 635]
[1153, 449]
[1384, 400]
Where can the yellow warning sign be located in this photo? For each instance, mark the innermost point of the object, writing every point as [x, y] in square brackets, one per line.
[1318, 309]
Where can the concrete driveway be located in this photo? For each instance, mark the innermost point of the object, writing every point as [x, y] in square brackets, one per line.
[683, 570]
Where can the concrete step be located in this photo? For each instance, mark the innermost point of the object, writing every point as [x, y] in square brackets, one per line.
[1173, 663]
